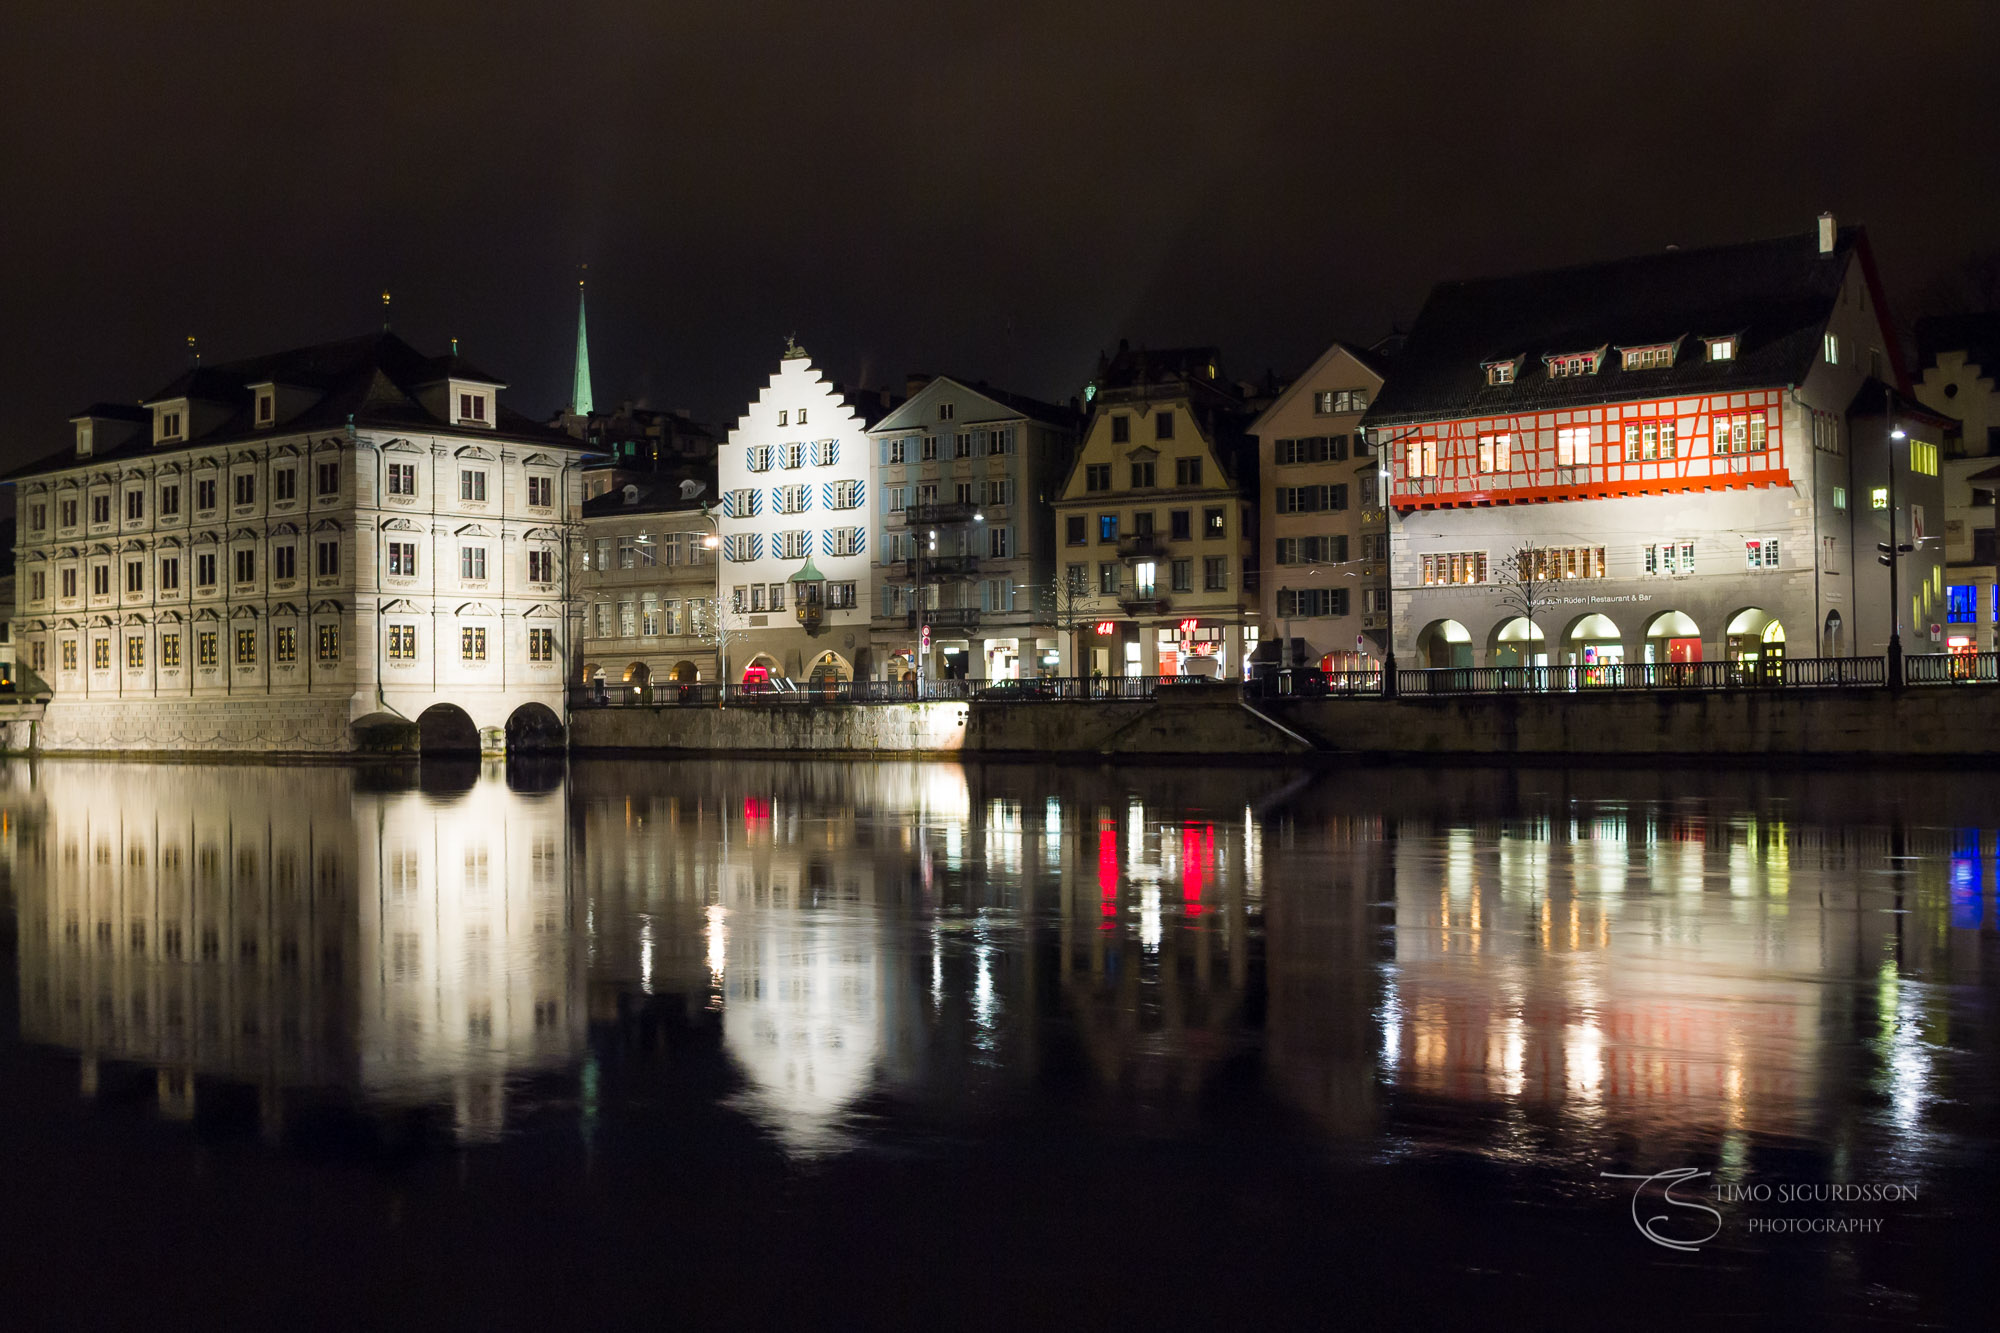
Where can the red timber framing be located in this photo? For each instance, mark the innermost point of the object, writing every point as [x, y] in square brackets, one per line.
[1452, 464]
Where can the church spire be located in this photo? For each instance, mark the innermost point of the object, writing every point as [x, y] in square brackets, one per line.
[580, 403]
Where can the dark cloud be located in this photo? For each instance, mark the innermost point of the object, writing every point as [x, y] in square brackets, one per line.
[996, 190]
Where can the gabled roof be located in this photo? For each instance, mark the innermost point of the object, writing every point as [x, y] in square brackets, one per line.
[1370, 365]
[1775, 296]
[373, 380]
[911, 413]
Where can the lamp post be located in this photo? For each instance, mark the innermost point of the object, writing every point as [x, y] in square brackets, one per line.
[1892, 553]
[712, 542]
[1383, 477]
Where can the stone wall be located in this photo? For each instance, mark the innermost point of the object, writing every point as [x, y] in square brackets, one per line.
[257, 725]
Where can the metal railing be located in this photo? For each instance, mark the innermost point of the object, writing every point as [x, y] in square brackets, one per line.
[780, 693]
[934, 515]
[1312, 683]
[1951, 668]
[1795, 673]
[943, 617]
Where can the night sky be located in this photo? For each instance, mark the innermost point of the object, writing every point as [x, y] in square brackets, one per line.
[994, 191]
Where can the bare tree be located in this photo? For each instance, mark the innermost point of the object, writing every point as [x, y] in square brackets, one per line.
[1067, 601]
[1525, 582]
[718, 626]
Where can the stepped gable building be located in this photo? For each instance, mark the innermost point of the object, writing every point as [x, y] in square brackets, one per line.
[1958, 359]
[797, 582]
[1679, 457]
[965, 530]
[328, 547]
[1156, 523]
[1322, 528]
[647, 579]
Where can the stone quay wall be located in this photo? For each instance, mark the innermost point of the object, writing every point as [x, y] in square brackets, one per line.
[1945, 722]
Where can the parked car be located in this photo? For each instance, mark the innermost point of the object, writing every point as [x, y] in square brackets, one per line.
[1021, 690]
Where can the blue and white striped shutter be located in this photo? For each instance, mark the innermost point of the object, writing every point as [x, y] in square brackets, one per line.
[860, 540]
[825, 542]
[729, 504]
[826, 495]
[860, 494]
[756, 546]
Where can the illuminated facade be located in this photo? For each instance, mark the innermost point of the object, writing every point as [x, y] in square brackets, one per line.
[964, 530]
[290, 552]
[796, 578]
[1959, 361]
[1684, 454]
[1322, 528]
[1156, 523]
[646, 576]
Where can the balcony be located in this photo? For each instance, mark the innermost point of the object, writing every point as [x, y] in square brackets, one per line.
[934, 515]
[1143, 602]
[944, 617]
[940, 568]
[1143, 546]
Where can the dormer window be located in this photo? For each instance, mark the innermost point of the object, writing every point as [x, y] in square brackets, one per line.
[170, 426]
[473, 409]
[1502, 372]
[1572, 365]
[267, 407]
[1657, 357]
[1721, 349]
[84, 439]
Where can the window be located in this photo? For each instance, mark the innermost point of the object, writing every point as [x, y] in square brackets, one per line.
[541, 645]
[328, 647]
[284, 562]
[472, 485]
[541, 566]
[1672, 557]
[1075, 526]
[1000, 441]
[204, 494]
[1574, 364]
[38, 517]
[1312, 550]
[842, 596]
[844, 495]
[1648, 441]
[784, 417]
[1183, 575]
[1163, 425]
[1832, 349]
[998, 491]
[204, 648]
[1454, 567]
[1649, 358]
[1496, 453]
[100, 509]
[1721, 349]
[1735, 435]
[38, 586]
[744, 502]
[1187, 472]
[1180, 524]
[899, 451]
[1142, 476]
[69, 513]
[170, 501]
[472, 563]
[285, 484]
[100, 654]
[1573, 447]
[1879, 498]
[930, 449]
[326, 559]
[1500, 372]
[1142, 523]
[1121, 428]
[69, 654]
[1215, 573]
[1923, 458]
[1327, 402]
[135, 576]
[472, 407]
[170, 573]
[246, 566]
[999, 542]
[945, 411]
[1761, 553]
[170, 652]
[1309, 499]
[1107, 579]
[1563, 562]
[1211, 522]
[845, 541]
[1107, 527]
[246, 489]
[100, 580]
[472, 643]
[1840, 498]
[285, 644]
[402, 643]
[246, 647]
[135, 506]
[1097, 476]
[69, 583]
[402, 560]
[135, 652]
[1961, 604]
[1306, 602]
[170, 425]
[961, 445]
[204, 570]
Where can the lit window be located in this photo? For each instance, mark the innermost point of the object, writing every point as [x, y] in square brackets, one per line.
[1649, 358]
[1573, 447]
[1573, 364]
[1722, 349]
[1879, 497]
[1500, 372]
[1833, 349]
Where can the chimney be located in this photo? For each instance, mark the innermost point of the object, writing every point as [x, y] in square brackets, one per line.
[914, 382]
[1826, 233]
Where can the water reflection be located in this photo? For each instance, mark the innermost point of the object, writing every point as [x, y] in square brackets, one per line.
[1565, 969]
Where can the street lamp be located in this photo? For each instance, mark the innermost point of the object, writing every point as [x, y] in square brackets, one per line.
[1891, 551]
[713, 541]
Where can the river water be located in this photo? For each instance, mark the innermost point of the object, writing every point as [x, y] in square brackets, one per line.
[892, 1044]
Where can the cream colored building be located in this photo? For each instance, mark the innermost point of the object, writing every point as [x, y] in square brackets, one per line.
[1156, 524]
[1324, 544]
[322, 549]
[1959, 368]
[647, 579]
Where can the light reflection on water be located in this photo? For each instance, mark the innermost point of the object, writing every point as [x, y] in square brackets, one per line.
[1570, 970]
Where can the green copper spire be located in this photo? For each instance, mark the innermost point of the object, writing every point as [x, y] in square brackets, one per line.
[580, 402]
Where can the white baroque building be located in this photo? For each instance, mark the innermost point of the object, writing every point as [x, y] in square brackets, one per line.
[313, 551]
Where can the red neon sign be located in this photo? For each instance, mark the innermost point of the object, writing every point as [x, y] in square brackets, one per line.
[1190, 626]
[1107, 627]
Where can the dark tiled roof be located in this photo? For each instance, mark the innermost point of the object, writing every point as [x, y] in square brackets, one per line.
[657, 495]
[1775, 295]
[1978, 336]
[871, 405]
[373, 380]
